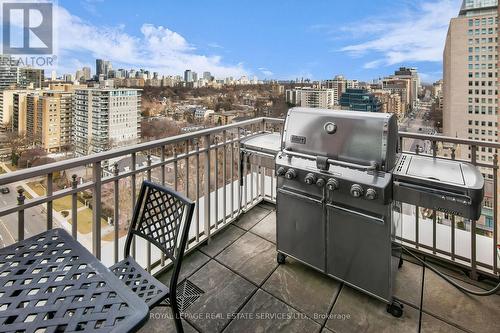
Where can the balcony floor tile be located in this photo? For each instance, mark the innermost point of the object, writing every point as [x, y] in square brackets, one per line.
[225, 293]
[266, 228]
[433, 325]
[304, 288]
[408, 286]
[240, 256]
[267, 306]
[356, 312]
[190, 264]
[220, 241]
[252, 217]
[446, 302]
[251, 256]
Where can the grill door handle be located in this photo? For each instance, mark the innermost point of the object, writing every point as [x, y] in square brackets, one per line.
[353, 212]
[299, 196]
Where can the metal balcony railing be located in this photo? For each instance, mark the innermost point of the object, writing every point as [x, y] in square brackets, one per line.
[205, 165]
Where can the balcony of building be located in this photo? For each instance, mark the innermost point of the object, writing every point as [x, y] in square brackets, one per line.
[231, 254]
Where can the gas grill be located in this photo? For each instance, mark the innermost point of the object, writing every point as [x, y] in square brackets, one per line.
[339, 192]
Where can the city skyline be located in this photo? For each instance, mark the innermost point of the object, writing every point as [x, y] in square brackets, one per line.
[364, 47]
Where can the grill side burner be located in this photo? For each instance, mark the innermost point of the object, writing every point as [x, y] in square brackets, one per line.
[453, 187]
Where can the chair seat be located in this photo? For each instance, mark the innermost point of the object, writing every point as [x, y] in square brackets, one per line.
[148, 288]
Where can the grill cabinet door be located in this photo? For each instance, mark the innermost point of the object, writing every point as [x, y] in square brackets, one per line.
[301, 228]
[359, 250]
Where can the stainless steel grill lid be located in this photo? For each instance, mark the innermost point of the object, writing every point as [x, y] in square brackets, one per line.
[350, 136]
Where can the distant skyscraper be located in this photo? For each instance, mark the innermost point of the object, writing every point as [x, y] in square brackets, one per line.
[470, 73]
[188, 75]
[195, 76]
[99, 67]
[207, 76]
[86, 73]
[102, 67]
[311, 98]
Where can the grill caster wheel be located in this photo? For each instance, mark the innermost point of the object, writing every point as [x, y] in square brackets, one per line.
[280, 258]
[400, 264]
[395, 309]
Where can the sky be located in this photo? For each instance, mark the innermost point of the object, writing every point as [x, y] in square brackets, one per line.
[317, 39]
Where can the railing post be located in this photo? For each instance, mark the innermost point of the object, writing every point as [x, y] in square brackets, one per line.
[96, 210]
[20, 216]
[74, 208]
[224, 176]
[216, 181]
[197, 209]
[207, 187]
[134, 196]
[50, 191]
[495, 212]
[175, 169]
[148, 246]
[116, 211]
[473, 158]
[473, 272]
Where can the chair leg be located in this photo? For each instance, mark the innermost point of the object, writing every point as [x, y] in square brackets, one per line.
[176, 313]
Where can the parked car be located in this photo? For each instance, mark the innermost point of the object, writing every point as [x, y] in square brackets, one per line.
[5, 190]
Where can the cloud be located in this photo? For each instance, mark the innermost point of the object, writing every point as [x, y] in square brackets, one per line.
[266, 72]
[156, 48]
[417, 35]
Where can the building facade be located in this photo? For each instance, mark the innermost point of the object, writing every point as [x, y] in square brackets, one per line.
[470, 82]
[360, 100]
[104, 118]
[311, 97]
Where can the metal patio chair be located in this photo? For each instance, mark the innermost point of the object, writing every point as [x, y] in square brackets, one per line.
[162, 217]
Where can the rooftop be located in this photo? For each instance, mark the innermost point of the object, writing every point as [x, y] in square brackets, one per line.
[245, 290]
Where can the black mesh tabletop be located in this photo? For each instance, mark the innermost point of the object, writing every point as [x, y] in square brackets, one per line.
[51, 283]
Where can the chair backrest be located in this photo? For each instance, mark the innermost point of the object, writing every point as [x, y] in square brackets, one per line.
[161, 216]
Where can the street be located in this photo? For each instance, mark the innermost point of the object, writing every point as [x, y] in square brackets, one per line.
[34, 219]
[418, 122]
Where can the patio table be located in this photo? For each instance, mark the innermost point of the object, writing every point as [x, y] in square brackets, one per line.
[51, 283]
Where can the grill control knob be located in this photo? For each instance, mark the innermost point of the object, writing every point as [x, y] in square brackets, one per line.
[356, 190]
[332, 184]
[320, 182]
[290, 174]
[371, 194]
[310, 179]
[281, 171]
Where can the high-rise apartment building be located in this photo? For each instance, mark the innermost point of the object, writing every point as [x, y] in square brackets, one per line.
[9, 72]
[31, 77]
[104, 118]
[470, 82]
[311, 97]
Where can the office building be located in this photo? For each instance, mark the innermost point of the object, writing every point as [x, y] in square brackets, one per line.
[104, 118]
[470, 77]
[360, 100]
[188, 76]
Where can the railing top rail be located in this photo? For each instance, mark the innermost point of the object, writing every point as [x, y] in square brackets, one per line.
[449, 139]
[122, 151]
[43, 170]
